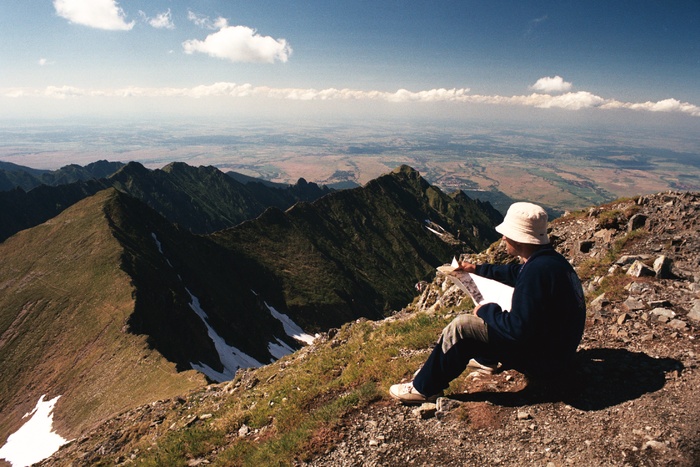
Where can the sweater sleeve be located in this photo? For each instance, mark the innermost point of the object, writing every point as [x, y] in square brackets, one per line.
[504, 273]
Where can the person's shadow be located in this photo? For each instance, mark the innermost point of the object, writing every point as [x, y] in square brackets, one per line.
[598, 378]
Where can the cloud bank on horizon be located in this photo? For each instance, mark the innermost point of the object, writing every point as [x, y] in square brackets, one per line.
[549, 95]
[241, 45]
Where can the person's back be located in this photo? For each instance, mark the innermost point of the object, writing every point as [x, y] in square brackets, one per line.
[557, 320]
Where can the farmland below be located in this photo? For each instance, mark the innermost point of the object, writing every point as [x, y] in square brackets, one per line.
[562, 167]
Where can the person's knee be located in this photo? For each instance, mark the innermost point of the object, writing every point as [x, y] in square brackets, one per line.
[464, 326]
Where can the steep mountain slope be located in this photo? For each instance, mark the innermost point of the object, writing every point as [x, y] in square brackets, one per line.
[630, 399]
[359, 252]
[204, 199]
[21, 210]
[108, 303]
[65, 305]
[175, 274]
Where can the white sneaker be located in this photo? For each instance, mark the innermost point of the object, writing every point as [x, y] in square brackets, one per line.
[476, 369]
[406, 393]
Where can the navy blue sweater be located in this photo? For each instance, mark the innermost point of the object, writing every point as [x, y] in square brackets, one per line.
[542, 331]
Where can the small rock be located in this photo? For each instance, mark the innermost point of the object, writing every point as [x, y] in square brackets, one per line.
[694, 313]
[636, 222]
[426, 410]
[632, 304]
[523, 415]
[637, 288]
[445, 404]
[662, 267]
[677, 324]
[605, 234]
[653, 444]
[663, 312]
[584, 246]
[598, 303]
[622, 318]
[629, 259]
[243, 431]
[639, 269]
[196, 462]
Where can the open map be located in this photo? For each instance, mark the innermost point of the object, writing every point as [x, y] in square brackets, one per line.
[480, 289]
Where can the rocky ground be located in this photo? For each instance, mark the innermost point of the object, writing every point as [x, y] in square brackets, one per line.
[632, 397]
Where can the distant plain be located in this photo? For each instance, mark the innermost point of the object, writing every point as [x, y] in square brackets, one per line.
[563, 167]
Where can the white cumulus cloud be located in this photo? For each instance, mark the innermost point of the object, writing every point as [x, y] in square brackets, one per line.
[238, 44]
[160, 21]
[99, 14]
[551, 85]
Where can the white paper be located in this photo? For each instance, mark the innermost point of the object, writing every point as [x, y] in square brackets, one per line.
[479, 288]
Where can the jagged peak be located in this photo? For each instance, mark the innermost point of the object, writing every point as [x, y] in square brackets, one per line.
[406, 169]
[183, 166]
[132, 167]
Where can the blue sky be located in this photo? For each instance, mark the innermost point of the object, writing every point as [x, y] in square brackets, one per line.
[158, 58]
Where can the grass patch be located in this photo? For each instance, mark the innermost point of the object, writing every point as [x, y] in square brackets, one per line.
[295, 410]
[613, 286]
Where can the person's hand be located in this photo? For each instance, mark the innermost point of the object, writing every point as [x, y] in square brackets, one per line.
[476, 308]
[466, 266]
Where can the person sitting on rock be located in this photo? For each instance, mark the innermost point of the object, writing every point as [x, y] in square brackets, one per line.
[538, 336]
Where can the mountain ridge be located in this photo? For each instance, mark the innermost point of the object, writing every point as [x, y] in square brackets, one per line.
[16, 176]
[214, 303]
[376, 235]
[203, 199]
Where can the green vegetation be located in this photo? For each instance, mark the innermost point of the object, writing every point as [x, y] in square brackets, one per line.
[297, 405]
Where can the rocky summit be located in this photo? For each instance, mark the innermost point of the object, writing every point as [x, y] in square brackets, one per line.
[630, 399]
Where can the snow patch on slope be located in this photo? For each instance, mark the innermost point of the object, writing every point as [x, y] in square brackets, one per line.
[231, 358]
[279, 349]
[160, 247]
[290, 327]
[35, 440]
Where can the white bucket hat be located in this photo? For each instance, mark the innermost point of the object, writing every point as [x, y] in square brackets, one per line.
[525, 223]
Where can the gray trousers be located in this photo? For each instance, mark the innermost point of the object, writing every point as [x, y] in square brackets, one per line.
[466, 337]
